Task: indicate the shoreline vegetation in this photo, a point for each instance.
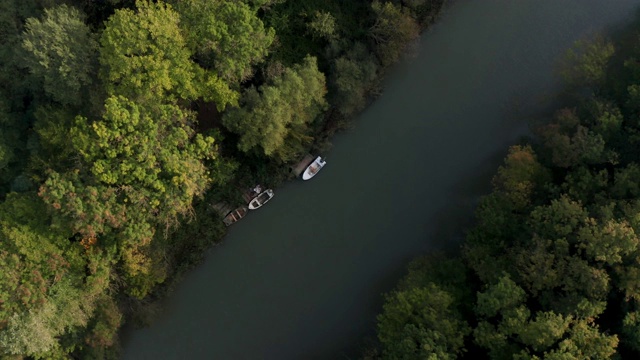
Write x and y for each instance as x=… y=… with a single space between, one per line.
x=551 y=267
x=123 y=120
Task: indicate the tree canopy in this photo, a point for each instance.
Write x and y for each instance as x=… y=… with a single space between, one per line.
x=144 y=56
x=226 y=36
x=125 y=124
x=553 y=255
x=279 y=113
x=60 y=51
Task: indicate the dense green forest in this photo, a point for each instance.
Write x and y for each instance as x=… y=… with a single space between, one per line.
x=122 y=121
x=551 y=268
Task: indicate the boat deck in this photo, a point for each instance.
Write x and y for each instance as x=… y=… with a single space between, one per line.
x=249 y=194
x=222 y=208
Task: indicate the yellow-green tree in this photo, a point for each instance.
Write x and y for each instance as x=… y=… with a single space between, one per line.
x=393 y=29
x=274 y=119
x=144 y=56
x=225 y=36
x=61 y=52
x=141 y=169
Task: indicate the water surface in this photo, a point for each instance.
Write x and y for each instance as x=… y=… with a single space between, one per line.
x=302 y=277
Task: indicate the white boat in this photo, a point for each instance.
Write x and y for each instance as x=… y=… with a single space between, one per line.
x=313 y=168
x=261 y=199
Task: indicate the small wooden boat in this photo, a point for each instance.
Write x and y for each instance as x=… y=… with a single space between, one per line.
x=313 y=168
x=261 y=199
x=235 y=215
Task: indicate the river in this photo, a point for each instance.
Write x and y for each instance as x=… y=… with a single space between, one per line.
x=302 y=277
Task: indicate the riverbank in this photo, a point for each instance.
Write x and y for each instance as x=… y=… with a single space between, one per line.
x=319 y=290
x=548 y=267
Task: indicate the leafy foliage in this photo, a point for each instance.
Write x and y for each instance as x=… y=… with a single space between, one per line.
x=145 y=56
x=436 y=332
x=586 y=63
x=275 y=117
x=392 y=31
x=61 y=52
x=226 y=36
x=355 y=75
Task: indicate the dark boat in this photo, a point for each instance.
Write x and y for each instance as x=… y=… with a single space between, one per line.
x=235 y=215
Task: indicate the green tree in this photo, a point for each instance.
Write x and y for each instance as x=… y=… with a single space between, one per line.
x=497 y=227
x=61 y=51
x=541 y=264
x=560 y=219
x=631 y=330
x=544 y=331
x=47 y=287
x=425 y=11
x=585 y=184
x=505 y=294
x=322 y=26
x=585 y=341
x=9 y=143
x=392 y=31
x=31 y=254
x=226 y=36
x=145 y=57
x=572 y=143
x=353 y=77
x=103 y=328
x=151 y=159
x=141 y=169
x=609 y=243
x=519 y=176
x=586 y=63
x=607 y=119
x=264 y=4
x=421 y=323
x=501 y=304
x=275 y=118
x=53 y=150
x=628 y=281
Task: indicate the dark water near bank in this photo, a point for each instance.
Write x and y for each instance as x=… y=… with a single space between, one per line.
x=301 y=278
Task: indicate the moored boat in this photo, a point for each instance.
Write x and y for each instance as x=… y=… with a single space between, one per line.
x=235 y=215
x=261 y=199
x=313 y=168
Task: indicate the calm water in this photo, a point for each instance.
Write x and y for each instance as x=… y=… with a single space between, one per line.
x=301 y=278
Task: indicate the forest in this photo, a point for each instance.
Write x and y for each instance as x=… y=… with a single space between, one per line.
x=551 y=267
x=121 y=121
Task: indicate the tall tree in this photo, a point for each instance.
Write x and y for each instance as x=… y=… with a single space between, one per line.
x=275 y=117
x=519 y=177
x=61 y=52
x=151 y=157
x=48 y=285
x=392 y=31
x=421 y=323
x=141 y=169
x=354 y=75
x=144 y=56
x=586 y=63
x=226 y=36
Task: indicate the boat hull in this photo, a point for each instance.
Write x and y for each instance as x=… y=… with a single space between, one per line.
x=235 y=215
x=313 y=168
x=261 y=199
